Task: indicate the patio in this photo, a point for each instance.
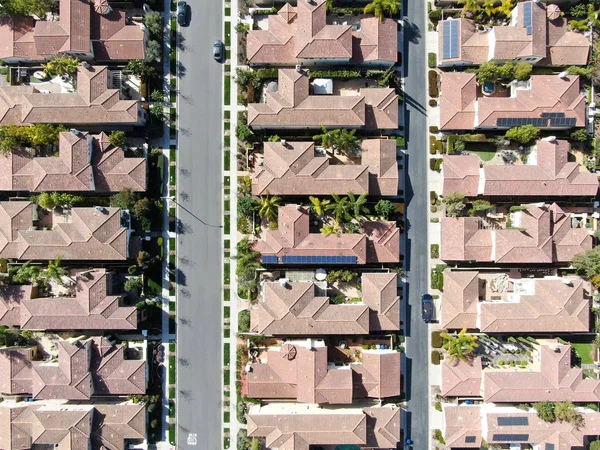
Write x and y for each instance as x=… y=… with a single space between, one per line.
x=507 y=353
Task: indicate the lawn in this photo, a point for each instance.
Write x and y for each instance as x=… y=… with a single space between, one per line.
x=227 y=33
x=226 y=270
x=227 y=295
x=585 y=352
x=227 y=312
x=226 y=159
x=484 y=156
x=172 y=369
x=226 y=353
x=227 y=90
x=227 y=224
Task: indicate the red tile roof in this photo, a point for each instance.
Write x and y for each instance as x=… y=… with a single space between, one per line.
x=462 y=378
x=378 y=242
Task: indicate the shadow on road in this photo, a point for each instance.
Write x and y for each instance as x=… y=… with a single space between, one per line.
x=181 y=70
x=412 y=33
x=416 y=105
x=406 y=371
x=407 y=311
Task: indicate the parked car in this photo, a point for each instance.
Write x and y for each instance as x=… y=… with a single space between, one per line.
x=218 y=50
x=182 y=13
x=427 y=311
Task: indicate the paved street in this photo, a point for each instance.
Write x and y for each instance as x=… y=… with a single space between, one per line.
x=199 y=378
x=416 y=251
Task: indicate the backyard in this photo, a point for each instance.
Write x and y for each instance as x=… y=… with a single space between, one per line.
x=584 y=351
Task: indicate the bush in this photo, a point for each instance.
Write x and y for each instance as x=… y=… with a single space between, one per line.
x=436 y=164
x=432 y=60
x=433 y=129
x=432 y=140
x=435 y=15
x=580 y=135
x=154 y=22
x=436 y=339
x=523 y=71
x=545 y=411
x=523 y=134
x=154 y=51
x=433 y=197
x=434 y=252
x=337 y=299
x=434 y=90
x=437 y=435
x=243 y=133
x=436 y=357
x=134 y=285
x=117 y=138
x=438 y=406
x=337 y=74
x=432 y=102
x=384 y=209
x=244 y=321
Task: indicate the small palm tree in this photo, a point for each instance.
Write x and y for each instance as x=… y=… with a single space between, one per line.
x=459 y=345
x=326 y=138
x=506 y=7
x=383 y=8
x=25 y=274
x=329 y=229
x=471 y=6
x=489 y=7
x=348 y=143
x=341 y=209
x=61 y=65
x=268 y=207
x=54 y=271
x=357 y=205
x=320 y=206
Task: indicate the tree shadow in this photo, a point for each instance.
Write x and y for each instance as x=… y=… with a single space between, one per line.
x=412 y=33
x=181 y=70
x=181 y=43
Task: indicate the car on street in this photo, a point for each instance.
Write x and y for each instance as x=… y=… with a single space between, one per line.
x=427 y=308
x=218 y=50
x=182 y=13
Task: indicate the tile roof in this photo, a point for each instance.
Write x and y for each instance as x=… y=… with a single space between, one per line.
x=92 y=103
x=299 y=370
x=542 y=305
x=292 y=106
x=70 y=427
x=551 y=175
x=296 y=169
x=80 y=29
x=85 y=163
x=300 y=33
x=378 y=242
x=460 y=423
x=462 y=107
x=85 y=368
x=462 y=378
x=81 y=234
x=549 y=40
x=292 y=429
x=548 y=237
x=296 y=309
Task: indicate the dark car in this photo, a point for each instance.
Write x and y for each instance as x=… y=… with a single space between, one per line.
x=182 y=13
x=427 y=308
x=218 y=50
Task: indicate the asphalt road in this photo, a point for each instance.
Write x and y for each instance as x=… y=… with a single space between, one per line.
x=416 y=251
x=199 y=379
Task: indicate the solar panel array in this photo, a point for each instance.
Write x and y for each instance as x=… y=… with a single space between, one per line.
x=519 y=121
x=527 y=18
x=553 y=115
x=450 y=31
x=549 y=446
x=269 y=259
x=470 y=439
x=510 y=437
x=513 y=421
x=319 y=260
x=563 y=122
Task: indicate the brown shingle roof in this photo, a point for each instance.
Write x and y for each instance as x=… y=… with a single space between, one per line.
x=92 y=103
x=85 y=234
x=547 y=237
x=295 y=169
x=292 y=106
x=379 y=242
x=463 y=108
x=462 y=378
x=300 y=33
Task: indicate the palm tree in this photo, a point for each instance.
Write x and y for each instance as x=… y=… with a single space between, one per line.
x=341 y=209
x=347 y=142
x=61 y=65
x=506 y=7
x=326 y=138
x=357 y=205
x=329 y=229
x=54 y=271
x=268 y=207
x=25 y=273
x=382 y=8
x=320 y=206
x=471 y=6
x=459 y=345
x=489 y=7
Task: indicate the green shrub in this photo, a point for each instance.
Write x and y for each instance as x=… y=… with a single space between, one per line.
x=432 y=141
x=433 y=129
x=440 y=281
x=337 y=74
x=436 y=357
x=433 y=84
x=432 y=102
x=437 y=435
x=244 y=321
x=436 y=339
x=434 y=252
x=432 y=60
x=438 y=406
x=433 y=197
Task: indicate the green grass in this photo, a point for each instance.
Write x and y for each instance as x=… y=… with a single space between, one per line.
x=226 y=159
x=172 y=244
x=227 y=114
x=226 y=394
x=227 y=312
x=172 y=347
x=585 y=352
x=172 y=429
x=227 y=295
x=226 y=416
x=226 y=204
x=172 y=175
x=227 y=141
x=227 y=126
x=172 y=365
x=227 y=243
x=227 y=224
x=226 y=276
x=171 y=392
x=172 y=306
x=227 y=12
x=226 y=353
x=227 y=89
x=484 y=156
x=227 y=31
x=227 y=69
x=226 y=377
x=172 y=410
x=172 y=155
x=227 y=333
x=228 y=54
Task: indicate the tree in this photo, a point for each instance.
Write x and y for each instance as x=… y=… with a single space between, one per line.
x=134 y=285
x=244 y=321
x=545 y=411
x=157 y=96
x=506 y=71
x=459 y=345
x=489 y=7
x=588 y=263
x=61 y=65
x=523 y=71
x=328 y=229
x=40 y=134
x=455 y=203
x=142 y=209
x=341 y=140
x=488 y=72
x=155 y=24
x=140 y=68
x=125 y=199
x=523 y=134
x=595 y=445
x=506 y=7
x=52 y=200
x=25 y=273
x=25 y=8
x=273 y=138
x=246 y=206
x=566 y=412
x=579 y=11
x=246 y=78
x=268 y=207
x=243 y=133
x=326 y=138
x=384 y=209
x=469 y=6
x=143 y=259
x=357 y=205
x=479 y=206
x=157 y=110
x=117 y=138
x=580 y=135
x=320 y=207
x=383 y=8
x=247 y=264
x=55 y=271
x=341 y=209
x=154 y=51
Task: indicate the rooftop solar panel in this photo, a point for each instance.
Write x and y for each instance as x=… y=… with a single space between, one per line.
x=500 y=437
x=470 y=439
x=549 y=446
x=450 y=39
x=527 y=17
x=446 y=39
x=513 y=421
x=552 y=115
x=269 y=259
x=454 y=39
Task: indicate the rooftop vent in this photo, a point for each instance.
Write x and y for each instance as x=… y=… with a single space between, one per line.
x=76 y=132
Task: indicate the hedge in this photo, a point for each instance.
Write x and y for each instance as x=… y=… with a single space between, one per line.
x=432 y=140
x=436 y=339
x=433 y=129
x=436 y=357
x=432 y=60
x=266 y=74
x=436 y=164
x=434 y=252
x=432 y=102
x=433 y=197
x=338 y=74
x=433 y=84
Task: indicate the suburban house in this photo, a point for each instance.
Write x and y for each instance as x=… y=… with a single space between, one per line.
x=467 y=426
x=288 y=426
x=299 y=168
x=92 y=305
x=293 y=106
x=534 y=235
x=300 y=371
x=93 y=103
x=493 y=302
x=550 y=377
x=85 y=163
x=544 y=101
x=90 y=31
x=112 y=426
x=28 y=232
x=550 y=175
x=294 y=243
x=537 y=34
x=83 y=369
x=303 y=308
x=300 y=35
